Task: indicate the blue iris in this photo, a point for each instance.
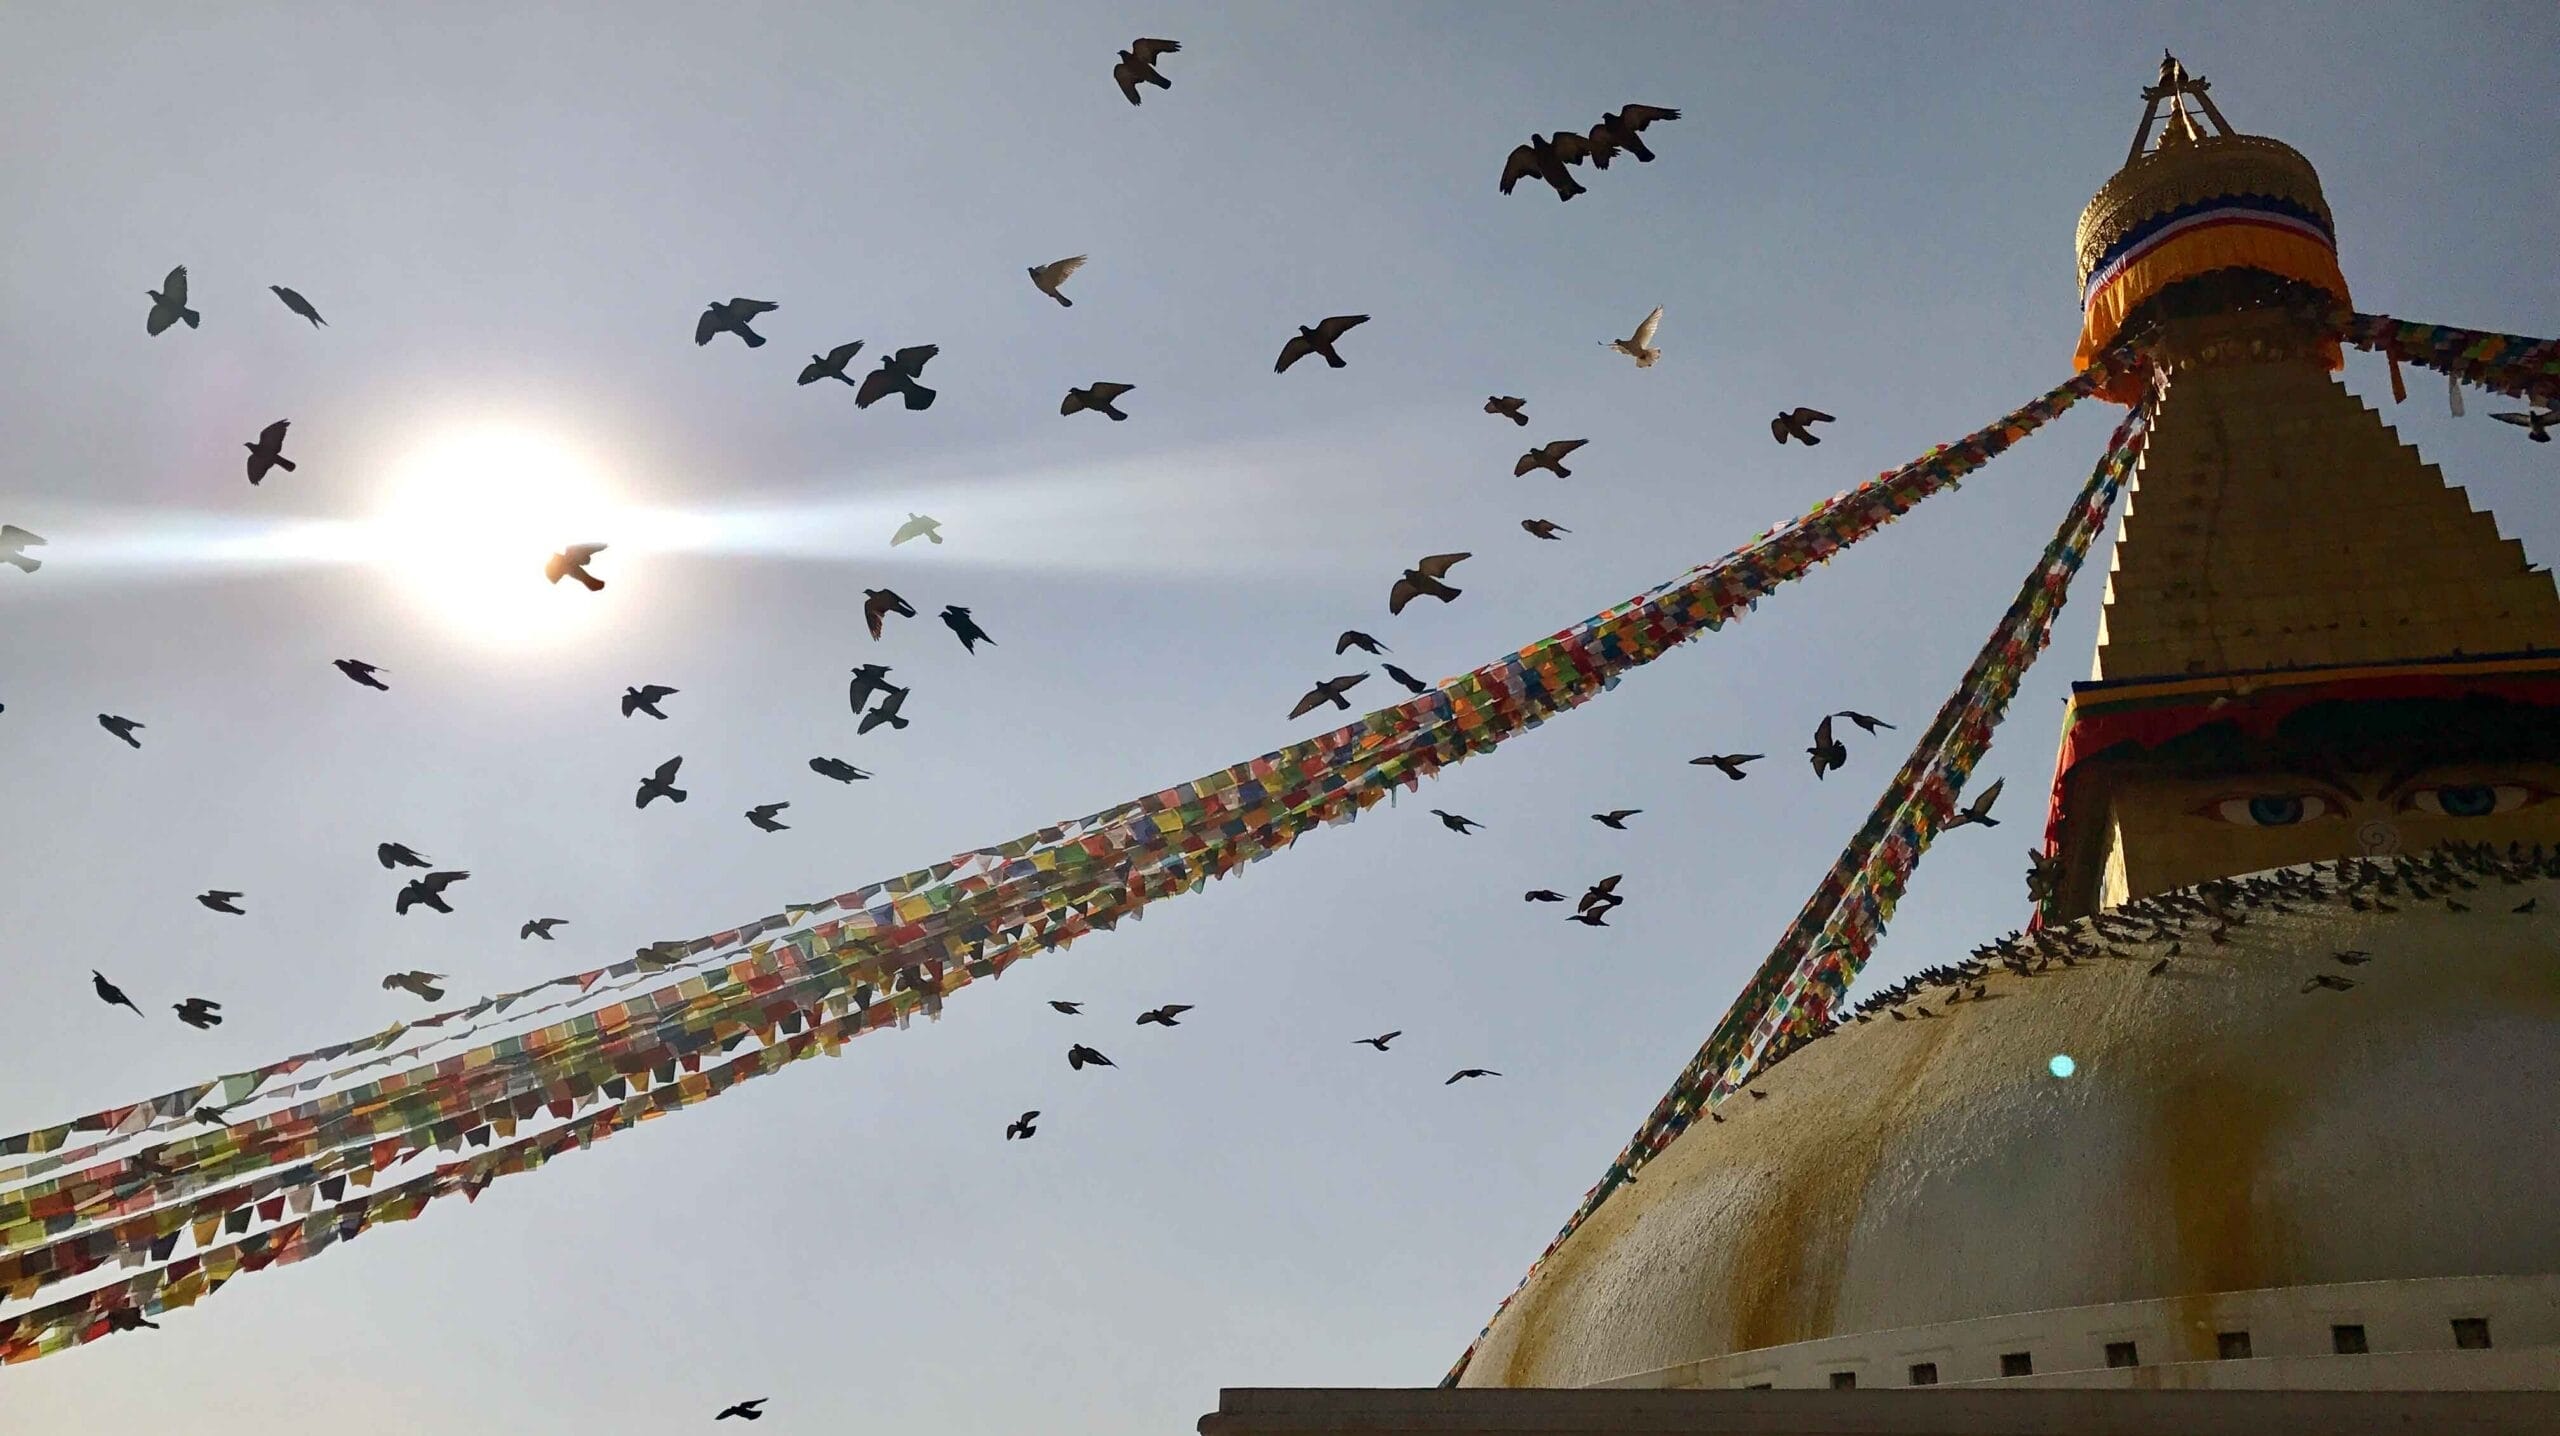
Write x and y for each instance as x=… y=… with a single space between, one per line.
x=2278 y=812
x=2467 y=800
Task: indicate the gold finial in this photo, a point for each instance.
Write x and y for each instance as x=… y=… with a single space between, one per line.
x=2177 y=87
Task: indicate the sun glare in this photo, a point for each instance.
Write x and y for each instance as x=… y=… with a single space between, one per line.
x=469 y=518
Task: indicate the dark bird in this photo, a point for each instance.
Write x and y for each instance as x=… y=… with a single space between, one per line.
x=1318 y=340
x=1423 y=580
x=1353 y=638
x=128 y=1318
x=572 y=562
x=1098 y=398
x=2525 y=908
x=2352 y=957
x=1620 y=131
x=2331 y=981
x=1797 y=424
x=109 y=992
x=767 y=815
x=2536 y=423
x=879 y=603
x=1545 y=157
x=169 y=303
x=1603 y=893
x=1165 y=1016
x=869 y=681
x=199 y=1013
x=1080 y=1057
x=1544 y=528
x=428 y=890
x=886 y=713
x=830 y=365
x=123 y=728
x=922 y=526
x=1138 y=66
x=362 y=672
x=1862 y=720
x=645 y=699
x=836 y=768
x=395 y=855
x=1456 y=822
x=1591 y=917
x=746 y=1409
x=14 y=543
x=211 y=1115
x=222 y=901
x=1615 y=818
x=1979 y=810
x=1513 y=409
x=1047 y=277
x=1827 y=752
x=1021 y=1126
x=732 y=318
x=1464 y=1073
x=1549 y=457
x=540 y=927
x=898 y=374
x=1729 y=764
x=1381 y=1040
x=423 y=984
x=1542 y=895
x=1639 y=345
x=661 y=784
x=1069 y=1008
x=1328 y=691
x=268 y=452
x=1411 y=683
x=957 y=619
x=298 y=305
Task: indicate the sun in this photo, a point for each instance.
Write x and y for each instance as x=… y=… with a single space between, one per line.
x=468 y=519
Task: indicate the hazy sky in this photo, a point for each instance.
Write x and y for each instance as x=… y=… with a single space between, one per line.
x=511 y=221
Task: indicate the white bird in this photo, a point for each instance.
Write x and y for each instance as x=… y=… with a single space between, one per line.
x=1639 y=345
x=1047 y=277
x=917 y=526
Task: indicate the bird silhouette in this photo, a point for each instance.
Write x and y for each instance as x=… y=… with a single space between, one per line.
x=1047 y=277
x=1549 y=457
x=1545 y=529
x=1620 y=129
x=2329 y=980
x=267 y=453
x=1513 y=409
x=1979 y=810
x=211 y=1115
x=427 y=891
x=1591 y=917
x=399 y=855
x=1099 y=398
x=1639 y=345
x=830 y=365
x=1069 y=1008
x=222 y=901
x=1456 y=823
x=1079 y=1057
x=1138 y=66
x=1353 y=638
x=423 y=984
x=1380 y=1041
x=539 y=927
x=123 y=728
x=869 y=681
x=1615 y=818
x=2527 y=907
x=879 y=603
x=1797 y=424
x=361 y=672
x=1827 y=752
x=2536 y=423
x=1021 y=1126
x=572 y=562
x=1546 y=157
x=898 y=374
x=1330 y=690
x=957 y=619
x=126 y=1318
x=1423 y=581
x=109 y=992
x=661 y=784
x=836 y=768
x=748 y=1410
x=732 y=318
x=1411 y=683
x=1168 y=1015
x=1602 y=894
x=1863 y=721
x=298 y=305
x=887 y=713
x=1466 y=1072
x=765 y=815
x=1318 y=340
x=1729 y=764
x=14 y=543
x=645 y=699
x=1542 y=895
x=200 y=1013
x=2352 y=957
x=917 y=526
x=169 y=303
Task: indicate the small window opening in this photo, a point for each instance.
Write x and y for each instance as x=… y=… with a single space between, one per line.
x=1761 y=1386
x=2471 y=1333
x=1924 y=1373
x=2231 y=1345
x=2347 y=1340
x=2017 y=1363
x=1844 y=1380
x=2122 y=1353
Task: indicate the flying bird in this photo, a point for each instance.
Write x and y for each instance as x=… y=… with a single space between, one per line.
x=1380 y=1041
x=1549 y=457
x=886 y=713
x=539 y=927
x=1615 y=818
x=1165 y=1016
x=869 y=682
x=879 y=603
x=361 y=672
x=1098 y=398
x=1979 y=810
x=1423 y=580
x=1138 y=67
x=1513 y=409
x=2536 y=423
x=1545 y=529
x=123 y=728
x=836 y=768
x=1639 y=345
x=1602 y=894
x=268 y=452
x=917 y=526
x=572 y=562
x=1353 y=638
x=1330 y=690
x=1797 y=424
x=14 y=543
x=957 y=619
x=1047 y=277
x=661 y=784
x=1069 y=1008
x=1591 y=917
x=2331 y=981
x=211 y=1115
x=1862 y=720
x=1021 y=1126
x=1827 y=752
x=222 y=901
x=1080 y=1057
x=298 y=305
x=645 y=699
x=746 y=1409
x=732 y=318
x=1456 y=822
x=1411 y=683
x=1319 y=341
x=767 y=816
x=898 y=374
x=428 y=890
x=109 y=992
x=1465 y=1072
x=169 y=303
x=1545 y=157
x=1619 y=131
x=421 y=983
x=830 y=365
x=200 y=1013
x=1729 y=764
x=399 y=855
x=1542 y=895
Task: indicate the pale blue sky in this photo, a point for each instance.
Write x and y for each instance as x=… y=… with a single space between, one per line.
x=512 y=220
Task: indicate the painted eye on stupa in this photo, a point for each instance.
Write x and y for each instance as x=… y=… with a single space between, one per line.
x=2269 y=810
x=2471 y=800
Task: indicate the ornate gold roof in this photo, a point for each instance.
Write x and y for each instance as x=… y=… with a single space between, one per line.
x=2185 y=170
